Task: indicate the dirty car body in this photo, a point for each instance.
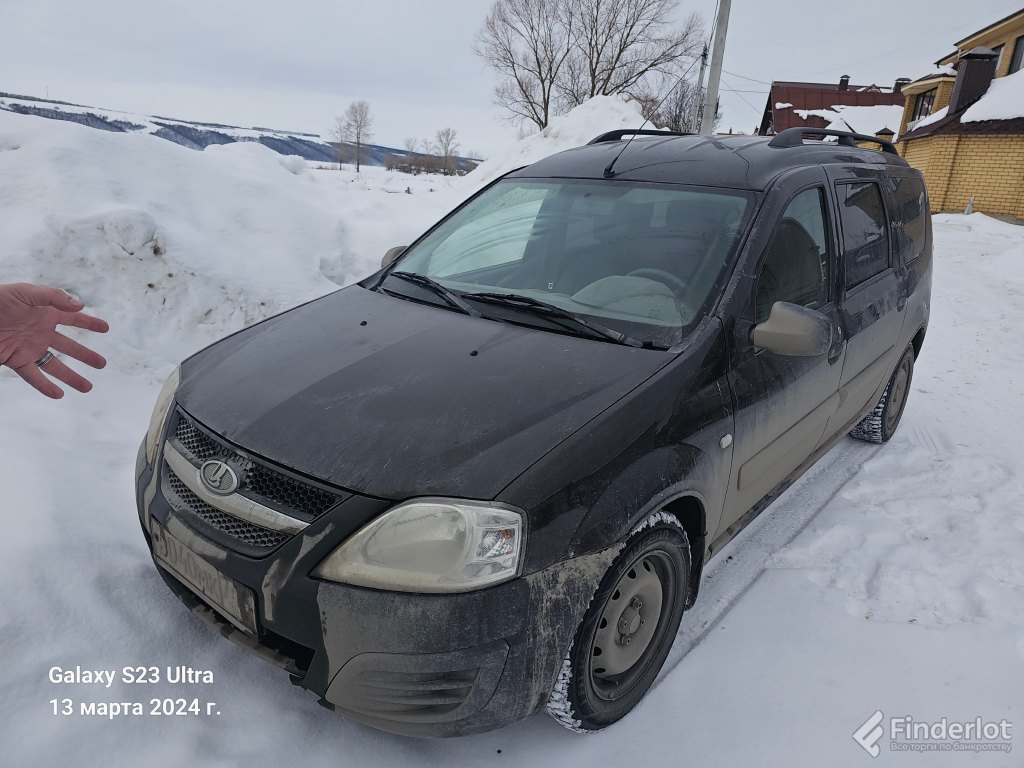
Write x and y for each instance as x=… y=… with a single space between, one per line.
x=562 y=357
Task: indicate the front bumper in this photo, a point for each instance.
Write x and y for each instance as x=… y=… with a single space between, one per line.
x=414 y=664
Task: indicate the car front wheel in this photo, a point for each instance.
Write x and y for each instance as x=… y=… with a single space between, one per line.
x=628 y=629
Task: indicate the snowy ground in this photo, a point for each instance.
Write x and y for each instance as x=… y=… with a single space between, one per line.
x=888 y=579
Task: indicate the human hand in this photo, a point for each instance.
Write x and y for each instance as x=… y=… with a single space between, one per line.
x=29 y=316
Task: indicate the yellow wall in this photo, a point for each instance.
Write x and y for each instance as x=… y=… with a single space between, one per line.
x=955 y=167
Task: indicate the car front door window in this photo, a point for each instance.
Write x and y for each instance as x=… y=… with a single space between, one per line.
x=796 y=265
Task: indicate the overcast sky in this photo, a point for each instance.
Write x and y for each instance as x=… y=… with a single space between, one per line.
x=295 y=65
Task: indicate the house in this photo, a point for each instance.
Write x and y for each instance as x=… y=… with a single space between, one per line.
x=864 y=109
x=963 y=125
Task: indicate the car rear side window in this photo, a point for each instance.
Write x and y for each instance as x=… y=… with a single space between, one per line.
x=796 y=264
x=865 y=236
x=909 y=212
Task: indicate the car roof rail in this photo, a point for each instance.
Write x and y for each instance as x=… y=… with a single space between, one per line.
x=621 y=132
x=794 y=137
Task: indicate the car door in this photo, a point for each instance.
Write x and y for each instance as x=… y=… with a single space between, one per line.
x=784 y=402
x=872 y=298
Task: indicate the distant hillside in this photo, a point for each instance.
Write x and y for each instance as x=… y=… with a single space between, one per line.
x=197 y=135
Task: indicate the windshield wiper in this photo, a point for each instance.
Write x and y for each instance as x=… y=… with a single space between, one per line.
x=448 y=295
x=542 y=307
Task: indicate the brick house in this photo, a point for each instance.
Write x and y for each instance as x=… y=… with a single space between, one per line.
x=964 y=125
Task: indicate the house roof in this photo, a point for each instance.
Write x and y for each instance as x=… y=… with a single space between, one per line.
x=999 y=111
x=816 y=97
x=961 y=44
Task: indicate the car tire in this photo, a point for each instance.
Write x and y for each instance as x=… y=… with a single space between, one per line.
x=602 y=678
x=879 y=425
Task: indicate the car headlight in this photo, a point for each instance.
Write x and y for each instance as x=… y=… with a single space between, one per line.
x=159 y=417
x=431 y=545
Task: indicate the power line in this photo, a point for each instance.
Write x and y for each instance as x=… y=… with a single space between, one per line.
x=740 y=97
x=744 y=77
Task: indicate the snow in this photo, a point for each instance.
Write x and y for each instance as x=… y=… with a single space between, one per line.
x=152 y=123
x=782 y=105
x=593 y=117
x=1003 y=101
x=934 y=117
x=866 y=120
x=888 y=578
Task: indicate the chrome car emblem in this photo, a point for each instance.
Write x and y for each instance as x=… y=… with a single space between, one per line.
x=219 y=477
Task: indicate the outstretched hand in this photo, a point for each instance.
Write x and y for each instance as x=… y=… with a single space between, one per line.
x=29 y=316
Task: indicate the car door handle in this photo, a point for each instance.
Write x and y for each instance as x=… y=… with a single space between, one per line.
x=901 y=302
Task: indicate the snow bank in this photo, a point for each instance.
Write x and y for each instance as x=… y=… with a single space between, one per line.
x=589 y=119
x=174 y=247
x=1004 y=100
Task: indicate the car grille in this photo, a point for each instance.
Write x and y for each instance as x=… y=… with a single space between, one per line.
x=265 y=484
x=301 y=500
x=242 y=530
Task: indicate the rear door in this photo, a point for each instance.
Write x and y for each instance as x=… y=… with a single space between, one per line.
x=783 y=403
x=872 y=296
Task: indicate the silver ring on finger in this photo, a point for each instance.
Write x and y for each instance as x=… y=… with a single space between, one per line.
x=44 y=359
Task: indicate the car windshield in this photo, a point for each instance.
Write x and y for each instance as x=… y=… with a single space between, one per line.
x=645 y=260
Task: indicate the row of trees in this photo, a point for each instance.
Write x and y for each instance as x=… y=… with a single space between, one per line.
x=552 y=55
x=355 y=127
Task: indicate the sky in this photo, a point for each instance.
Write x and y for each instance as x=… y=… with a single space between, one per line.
x=296 y=65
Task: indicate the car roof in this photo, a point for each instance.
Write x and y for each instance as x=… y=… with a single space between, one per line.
x=739 y=162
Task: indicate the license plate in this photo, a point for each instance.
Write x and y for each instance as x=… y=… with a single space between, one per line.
x=229 y=598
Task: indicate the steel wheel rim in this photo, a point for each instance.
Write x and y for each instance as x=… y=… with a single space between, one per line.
x=631 y=624
x=898 y=395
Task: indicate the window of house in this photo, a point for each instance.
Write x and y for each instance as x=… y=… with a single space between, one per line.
x=865 y=235
x=796 y=265
x=923 y=104
x=1018 y=55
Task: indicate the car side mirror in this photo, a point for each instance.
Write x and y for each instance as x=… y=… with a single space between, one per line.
x=793 y=330
x=392 y=254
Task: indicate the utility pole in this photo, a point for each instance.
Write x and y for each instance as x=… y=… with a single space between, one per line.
x=717 y=54
x=694 y=126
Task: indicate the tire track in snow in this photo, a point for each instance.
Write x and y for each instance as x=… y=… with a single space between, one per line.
x=737 y=567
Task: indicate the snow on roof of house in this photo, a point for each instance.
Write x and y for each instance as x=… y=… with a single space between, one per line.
x=782 y=105
x=934 y=117
x=867 y=120
x=1003 y=101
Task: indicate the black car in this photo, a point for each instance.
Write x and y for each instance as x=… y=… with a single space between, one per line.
x=485 y=480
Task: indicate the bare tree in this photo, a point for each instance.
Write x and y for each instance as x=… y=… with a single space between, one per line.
x=354 y=126
x=527 y=42
x=446 y=146
x=556 y=54
x=412 y=144
x=624 y=46
x=681 y=107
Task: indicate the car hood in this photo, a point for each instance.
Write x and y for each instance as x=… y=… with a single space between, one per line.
x=395 y=399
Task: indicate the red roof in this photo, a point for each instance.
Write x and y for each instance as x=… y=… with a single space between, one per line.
x=817 y=96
